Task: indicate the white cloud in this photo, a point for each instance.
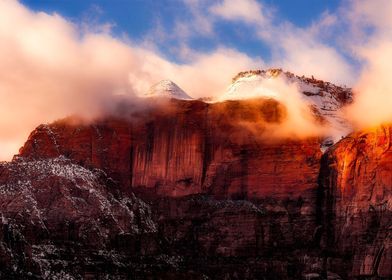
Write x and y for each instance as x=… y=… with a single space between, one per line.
x=249 y=11
x=304 y=53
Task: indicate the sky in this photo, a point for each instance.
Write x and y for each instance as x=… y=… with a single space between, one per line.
x=67 y=57
x=140 y=19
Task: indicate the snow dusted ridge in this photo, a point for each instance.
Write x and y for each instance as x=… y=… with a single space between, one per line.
x=168 y=89
x=325 y=99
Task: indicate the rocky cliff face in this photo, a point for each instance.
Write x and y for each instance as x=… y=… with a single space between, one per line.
x=190 y=148
x=357 y=185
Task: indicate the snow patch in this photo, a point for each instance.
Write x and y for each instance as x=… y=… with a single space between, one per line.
x=167 y=89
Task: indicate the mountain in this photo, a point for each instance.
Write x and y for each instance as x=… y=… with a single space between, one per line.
x=196 y=190
x=324 y=98
x=167 y=89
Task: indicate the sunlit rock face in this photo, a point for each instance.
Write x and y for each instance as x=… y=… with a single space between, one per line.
x=356 y=180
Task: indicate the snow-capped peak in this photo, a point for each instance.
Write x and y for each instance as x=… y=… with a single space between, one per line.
x=323 y=97
x=310 y=87
x=168 y=89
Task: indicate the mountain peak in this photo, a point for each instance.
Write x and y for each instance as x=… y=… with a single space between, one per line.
x=323 y=97
x=168 y=89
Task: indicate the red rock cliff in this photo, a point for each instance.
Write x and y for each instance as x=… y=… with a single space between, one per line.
x=190 y=147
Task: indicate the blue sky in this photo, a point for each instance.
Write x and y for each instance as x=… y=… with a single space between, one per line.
x=139 y=19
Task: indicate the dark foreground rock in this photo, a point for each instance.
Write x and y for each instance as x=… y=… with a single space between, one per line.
x=60 y=220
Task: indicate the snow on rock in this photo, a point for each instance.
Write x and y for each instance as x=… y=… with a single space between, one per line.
x=167 y=89
x=55 y=200
x=325 y=99
x=33 y=184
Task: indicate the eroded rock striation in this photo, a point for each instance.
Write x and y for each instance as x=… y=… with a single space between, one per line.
x=190 y=148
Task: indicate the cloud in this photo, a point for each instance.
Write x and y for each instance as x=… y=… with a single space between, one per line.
x=298 y=121
x=370 y=25
x=300 y=50
x=249 y=11
x=201 y=22
x=192 y=22
x=365 y=16
x=207 y=74
x=310 y=50
x=50 y=69
x=373 y=100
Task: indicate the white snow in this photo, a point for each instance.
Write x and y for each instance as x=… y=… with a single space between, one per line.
x=167 y=89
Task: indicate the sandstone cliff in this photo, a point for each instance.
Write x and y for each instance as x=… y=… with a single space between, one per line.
x=356 y=181
x=189 y=148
